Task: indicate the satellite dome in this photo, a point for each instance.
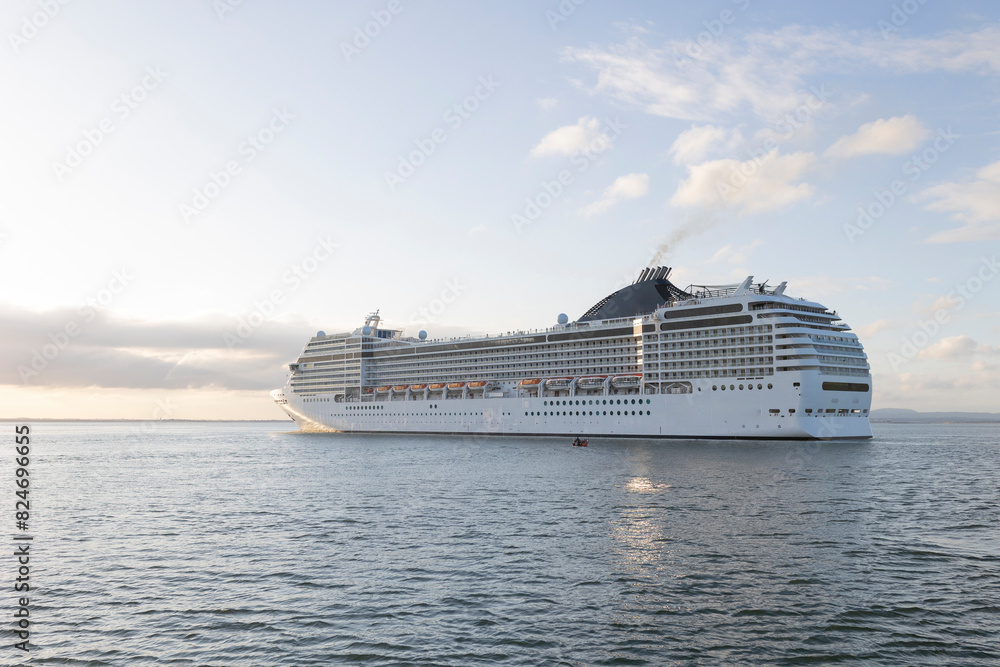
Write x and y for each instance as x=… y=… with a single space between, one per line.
x=366 y=330
x=562 y=319
x=320 y=334
x=422 y=335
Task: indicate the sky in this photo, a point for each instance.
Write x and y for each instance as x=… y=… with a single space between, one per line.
x=190 y=190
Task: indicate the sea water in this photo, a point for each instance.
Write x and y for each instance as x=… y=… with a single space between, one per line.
x=186 y=543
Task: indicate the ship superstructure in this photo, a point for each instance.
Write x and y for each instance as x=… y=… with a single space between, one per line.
x=649 y=360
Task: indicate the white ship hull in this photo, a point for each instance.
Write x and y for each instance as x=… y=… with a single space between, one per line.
x=701 y=414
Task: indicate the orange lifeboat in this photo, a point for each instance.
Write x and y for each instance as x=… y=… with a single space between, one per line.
x=383 y=389
x=530 y=384
x=417 y=387
x=438 y=386
x=454 y=386
x=478 y=384
x=400 y=387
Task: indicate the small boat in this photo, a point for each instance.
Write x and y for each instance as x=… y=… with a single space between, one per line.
x=455 y=386
x=383 y=389
x=625 y=381
x=438 y=386
x=558 y=383
x=530 y=384
x=580 y=442
x=417 y=387
x=400 y=387
x=594 y=382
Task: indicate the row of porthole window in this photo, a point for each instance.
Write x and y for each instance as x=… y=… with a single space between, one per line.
x=592 y=402
x=375 y=407
x=585 y=413
x=733 y=387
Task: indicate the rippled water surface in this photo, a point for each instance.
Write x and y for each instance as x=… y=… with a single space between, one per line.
x=249 y=544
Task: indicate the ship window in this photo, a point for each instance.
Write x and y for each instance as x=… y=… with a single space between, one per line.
x=648 y=412
x=760 y=386
x=809 y=411
x=633 y=413
x=647 y=401
x=732 y=387
x=770 y=386
x=741 y=387
x=619 y=413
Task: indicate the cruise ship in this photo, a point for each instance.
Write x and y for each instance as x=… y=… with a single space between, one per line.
x=651 y=360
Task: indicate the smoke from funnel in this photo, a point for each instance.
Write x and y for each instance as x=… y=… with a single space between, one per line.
x=691 y=226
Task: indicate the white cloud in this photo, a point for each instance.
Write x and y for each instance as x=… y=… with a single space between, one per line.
x=547 y=102
x=868 y=330
x=629 y=186
x=754 y=186
x=728 y=254
x=478 y=229
x=765 y=72
x=955 y=347
x=569 y=139
x=697 y=143
x=888 y=136
x=976 y=203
